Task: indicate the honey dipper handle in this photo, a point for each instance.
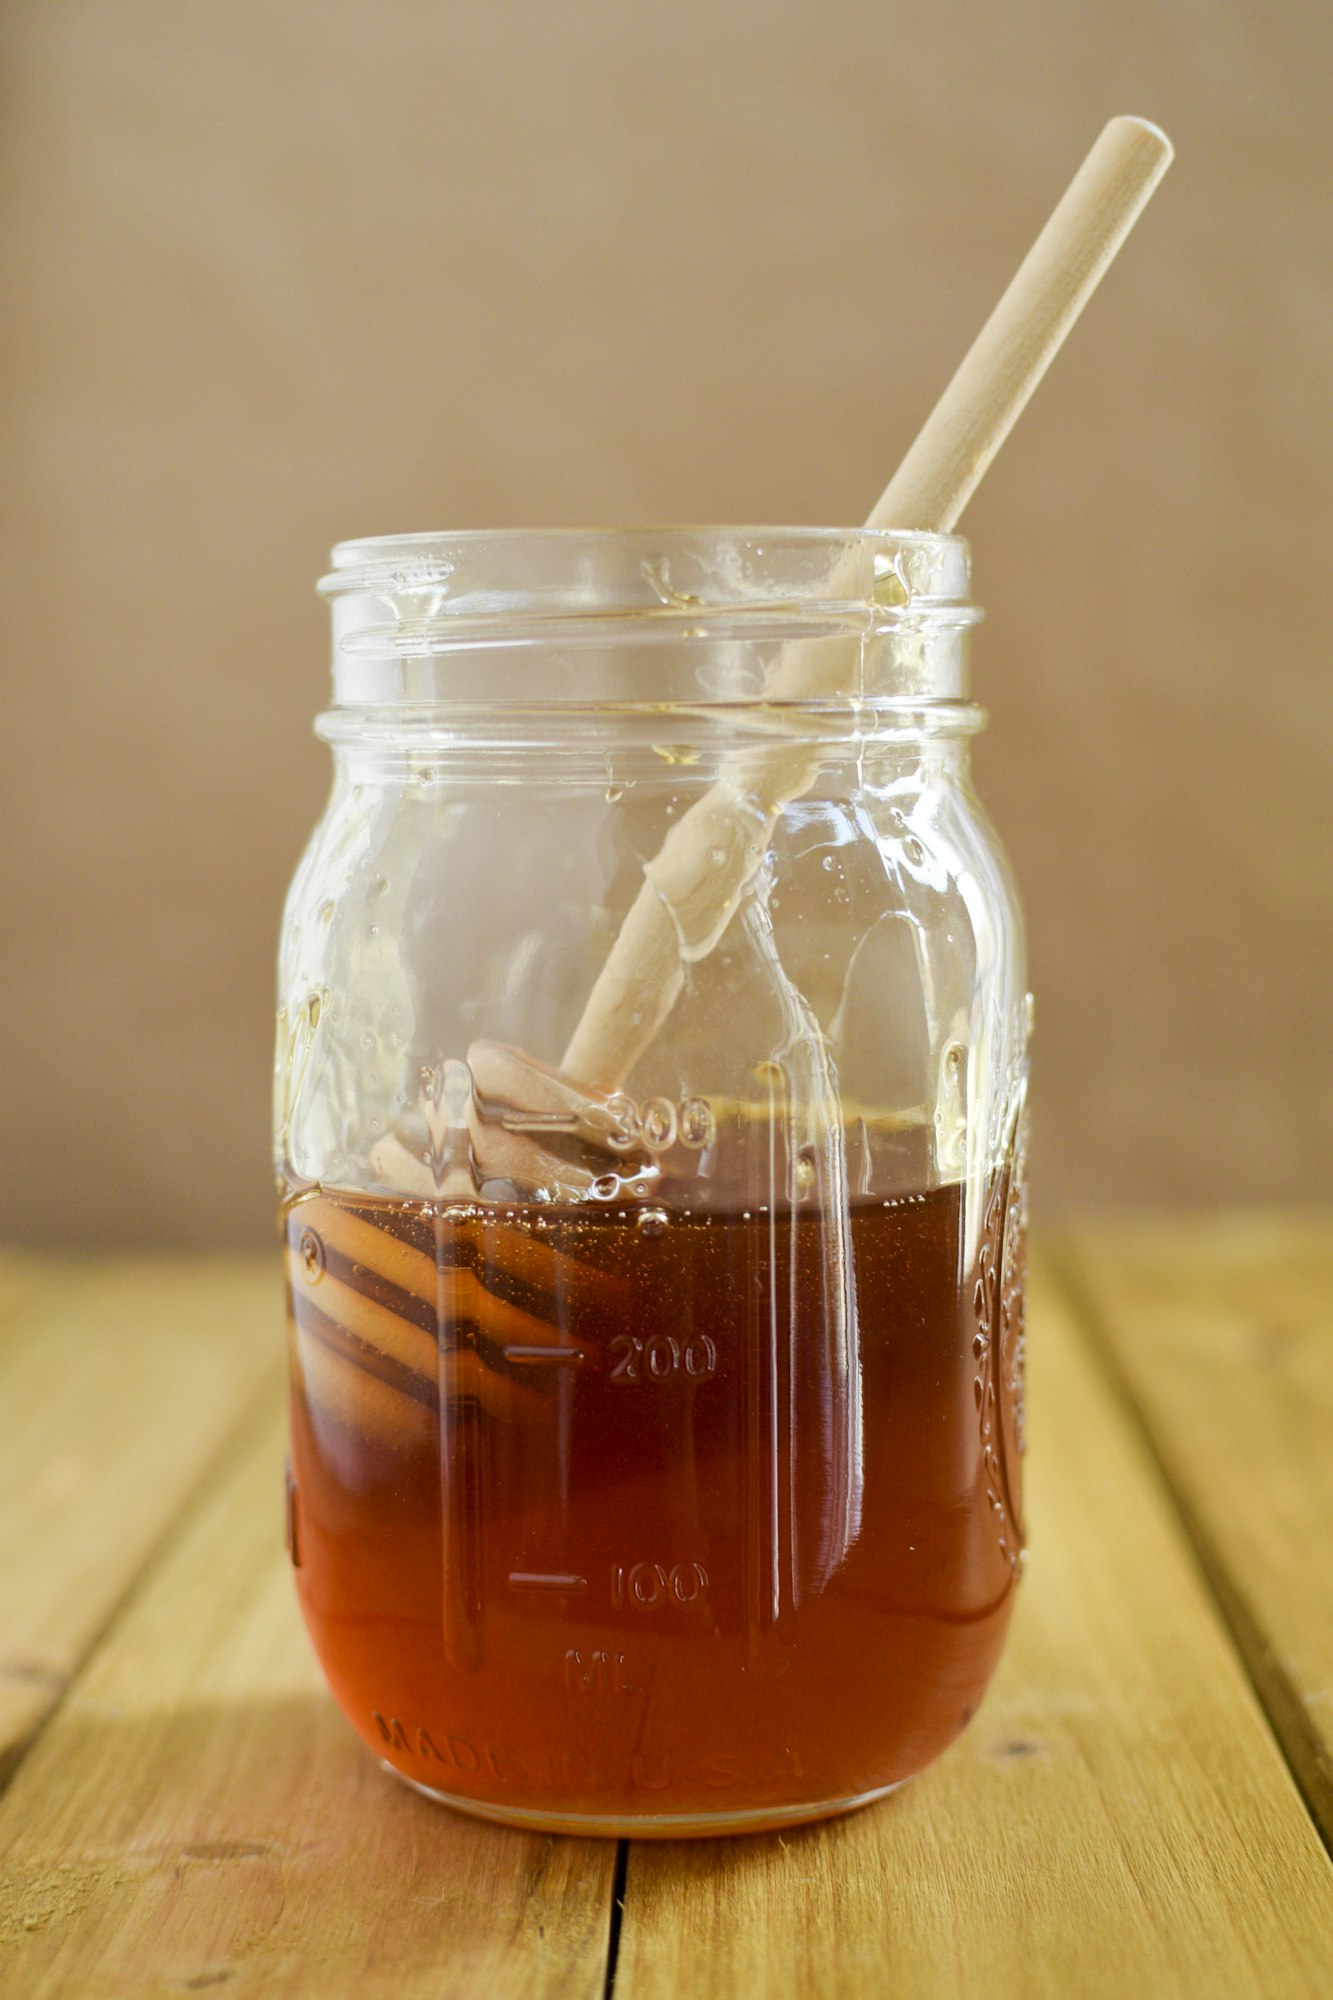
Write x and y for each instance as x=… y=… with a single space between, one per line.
x=692 y=888
x=1016 y=346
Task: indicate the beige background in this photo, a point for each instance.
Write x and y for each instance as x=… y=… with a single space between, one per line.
x=282 y=271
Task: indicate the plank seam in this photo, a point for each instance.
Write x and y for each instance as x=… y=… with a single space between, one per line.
x=258 y=1411
x=619 y=1884
x=1282 y=1708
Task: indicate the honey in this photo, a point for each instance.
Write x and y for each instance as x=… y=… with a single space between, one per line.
x=648 y=1518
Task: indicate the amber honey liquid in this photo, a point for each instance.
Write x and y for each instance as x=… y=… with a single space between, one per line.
x=613 y=1516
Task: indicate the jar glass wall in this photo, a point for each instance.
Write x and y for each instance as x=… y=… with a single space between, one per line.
x=649 y=1128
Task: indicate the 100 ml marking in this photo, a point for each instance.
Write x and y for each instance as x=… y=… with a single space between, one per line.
x=646 y=1586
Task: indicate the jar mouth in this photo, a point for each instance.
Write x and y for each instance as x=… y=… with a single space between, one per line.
x=652 y=569
x=412 y=613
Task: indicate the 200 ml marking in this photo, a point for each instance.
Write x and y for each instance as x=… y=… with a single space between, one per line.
x=663 y=1358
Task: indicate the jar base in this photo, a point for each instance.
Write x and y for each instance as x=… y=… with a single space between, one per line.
x=649 y=1826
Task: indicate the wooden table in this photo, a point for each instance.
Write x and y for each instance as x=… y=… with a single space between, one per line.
x=1143 y=1806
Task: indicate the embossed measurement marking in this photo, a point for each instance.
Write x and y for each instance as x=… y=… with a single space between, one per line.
x=662 y=1357
x=598 y=1673
x=645 y=1585
x=568 y=1354
x=531 y=1579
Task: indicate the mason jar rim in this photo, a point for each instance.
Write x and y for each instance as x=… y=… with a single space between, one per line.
x=932 y=570
x=669 y=617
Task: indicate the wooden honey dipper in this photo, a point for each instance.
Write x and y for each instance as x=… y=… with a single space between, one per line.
x=705 y=865
x=694 y=884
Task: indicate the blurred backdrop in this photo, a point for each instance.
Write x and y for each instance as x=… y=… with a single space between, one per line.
x=284 y=271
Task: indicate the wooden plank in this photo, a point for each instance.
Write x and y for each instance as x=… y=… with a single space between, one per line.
x=1222 y=1332
x=198 y=1814
x=22 y=1279
x=117 y=1385
x=1118 y=1820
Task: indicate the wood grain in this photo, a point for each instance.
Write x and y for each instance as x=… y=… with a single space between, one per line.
x=195 y=1814
x=118 y=1383
x=1117 y=1821
x=1222 y=1333
x=199 y=1815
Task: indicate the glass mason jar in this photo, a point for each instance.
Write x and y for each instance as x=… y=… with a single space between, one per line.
x=649 y=1130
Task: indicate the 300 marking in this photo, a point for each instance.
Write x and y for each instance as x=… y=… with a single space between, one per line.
x=657 y=1125
x=662 y=1357
x=646 y=1586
